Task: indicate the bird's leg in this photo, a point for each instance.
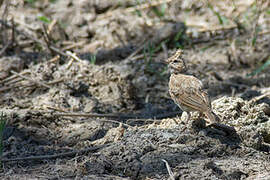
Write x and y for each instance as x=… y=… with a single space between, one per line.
x=200 y=114
x=188 y=116
x=205 y=118
x=212 y=117
x=185 y=116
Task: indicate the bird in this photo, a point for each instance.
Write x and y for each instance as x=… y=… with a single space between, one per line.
x=187 y=90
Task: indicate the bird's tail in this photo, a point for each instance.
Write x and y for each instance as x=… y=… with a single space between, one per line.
x=212 y=117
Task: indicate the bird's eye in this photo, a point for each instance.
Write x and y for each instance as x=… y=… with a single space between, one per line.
x=175 y=61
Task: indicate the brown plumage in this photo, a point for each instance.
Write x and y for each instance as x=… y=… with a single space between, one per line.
x=186 y=90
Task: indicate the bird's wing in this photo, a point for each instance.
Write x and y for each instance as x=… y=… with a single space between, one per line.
x=188 y=91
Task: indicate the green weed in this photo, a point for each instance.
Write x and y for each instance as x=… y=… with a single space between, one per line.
x=254 y=38
x=150 y=66
x=2 y=127
x=160 y=11
x=148 y=52
x=30 y=1
x=222 y=19
x=44 y=19
x=261 y=68
x=93 y=59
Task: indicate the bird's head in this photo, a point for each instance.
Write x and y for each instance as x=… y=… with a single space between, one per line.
x=177 y=63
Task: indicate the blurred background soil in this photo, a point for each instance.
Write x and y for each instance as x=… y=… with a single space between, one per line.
x=84 y=89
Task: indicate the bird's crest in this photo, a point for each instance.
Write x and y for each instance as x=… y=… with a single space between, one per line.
x=177 y=54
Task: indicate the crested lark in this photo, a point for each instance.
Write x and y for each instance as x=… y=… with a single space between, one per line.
x=186 y=90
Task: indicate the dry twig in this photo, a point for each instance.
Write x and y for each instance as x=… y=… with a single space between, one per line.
x=56 y=109
x=74 y=56
x=169 y=169
x=56 y=81
x=55 y=156
x=136 y=8
x=74 y=45
x=54 y=59
x=259 y=97
x=51 y=25
x=14 y=76
x=31 y=80
x=47 y=38
x=4 y=33
x=58 y=51
x=118 y=116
